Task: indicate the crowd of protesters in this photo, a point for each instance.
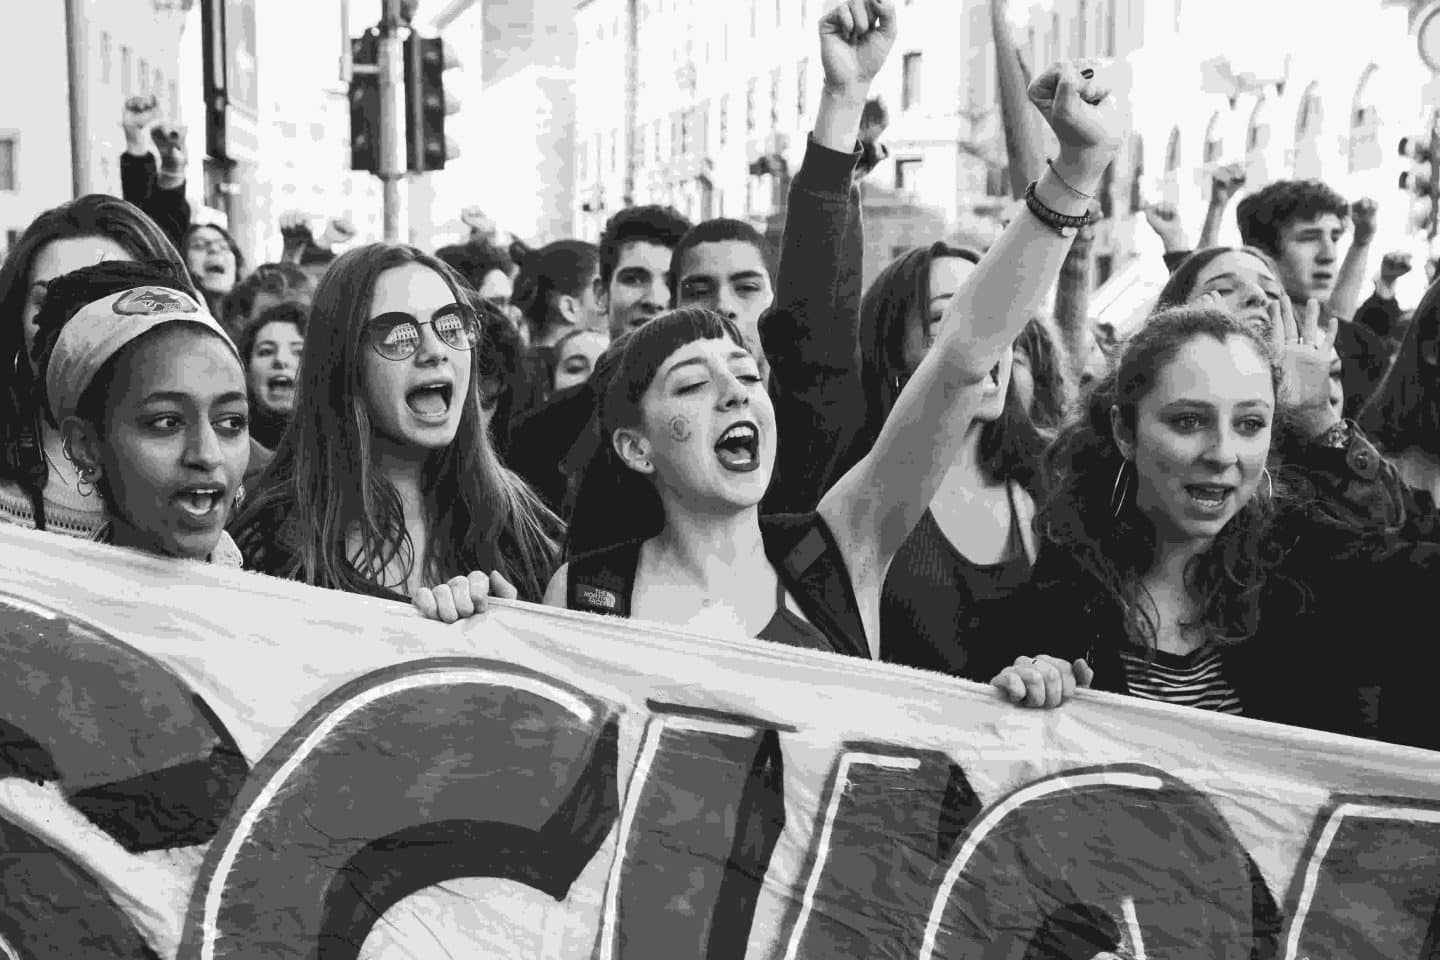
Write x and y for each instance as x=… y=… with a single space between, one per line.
x=1232 y=508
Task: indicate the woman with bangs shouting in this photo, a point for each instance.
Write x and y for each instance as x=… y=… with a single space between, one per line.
x=689 y=440
x=386 y=482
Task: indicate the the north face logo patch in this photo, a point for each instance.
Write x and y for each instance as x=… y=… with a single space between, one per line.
x=147 y=300
x=597 y=597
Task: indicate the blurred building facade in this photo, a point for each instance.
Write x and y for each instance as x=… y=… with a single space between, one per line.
x=120 y=48
x=706 y=106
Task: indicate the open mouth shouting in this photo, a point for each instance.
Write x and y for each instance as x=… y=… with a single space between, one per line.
x=430 y=402
x=1209 y=498
x=200 y=505
x=738 y=448
x=280 y=387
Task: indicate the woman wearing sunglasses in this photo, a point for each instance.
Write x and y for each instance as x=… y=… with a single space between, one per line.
x=386 y=482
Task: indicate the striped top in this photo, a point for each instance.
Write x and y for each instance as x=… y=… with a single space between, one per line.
x=1190 y=680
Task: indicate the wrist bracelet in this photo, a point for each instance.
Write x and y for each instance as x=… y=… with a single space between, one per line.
x=1061 y=223
x=1066 y=183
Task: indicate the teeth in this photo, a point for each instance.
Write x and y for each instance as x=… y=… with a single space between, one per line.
x=198 y=502
x=741 y=431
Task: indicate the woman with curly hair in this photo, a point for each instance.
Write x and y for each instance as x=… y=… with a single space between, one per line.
x=39 y=486
x=1180 y=561
x=386 y=482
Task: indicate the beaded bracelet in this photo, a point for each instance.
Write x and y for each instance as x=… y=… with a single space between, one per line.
x=1061 y=223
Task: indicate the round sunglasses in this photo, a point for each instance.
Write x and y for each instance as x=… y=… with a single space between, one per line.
x=396 y=336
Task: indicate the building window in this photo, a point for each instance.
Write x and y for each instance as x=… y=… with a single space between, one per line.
x=658 y=147
x=174 y=100
x=997 y=181
x=1112 y=37
x=9 y=147
x=907 y=173
x=724 y=119
x=614 y=151
x=157 y=84
x=982 y=65
x=106 y=56
x=124 y=71
x=910 y=81
x=1312 y=114
x=775 y=98
x=750 y=107
x=802 y=104
x=144 y=76
x=754 y=17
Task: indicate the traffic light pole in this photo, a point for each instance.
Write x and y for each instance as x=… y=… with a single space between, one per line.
x=392 y=115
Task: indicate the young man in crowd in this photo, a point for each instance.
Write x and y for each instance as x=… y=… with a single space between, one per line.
x=635 y=252
x=1301 y=223
x=724 y=265
x=633 y=286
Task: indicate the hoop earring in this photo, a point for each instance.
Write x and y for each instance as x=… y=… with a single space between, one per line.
x=19 y=351
x=239 y=497
x=1269 y=483
x=84 y=484
x=65 y=449
x=1121 y=490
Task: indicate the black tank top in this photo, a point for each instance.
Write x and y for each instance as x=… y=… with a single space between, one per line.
x=808 y=565
x=934 y=596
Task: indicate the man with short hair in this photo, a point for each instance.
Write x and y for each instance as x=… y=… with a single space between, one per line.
x=633 y=286
x=1301 y=223
x=635 y=251
x=723 y=265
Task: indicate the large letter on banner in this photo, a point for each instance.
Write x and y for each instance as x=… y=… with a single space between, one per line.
x=1369 y=888
x=1120 y=858
x=123 y=741
x=703 y=811
x=886 y=826
x=403 y=779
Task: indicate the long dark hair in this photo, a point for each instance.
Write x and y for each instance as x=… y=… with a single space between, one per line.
x=615 y=504
x=1117 y=549
x=1404 y=410
x=1010 y=445
x=321 y=483
x=22 y=457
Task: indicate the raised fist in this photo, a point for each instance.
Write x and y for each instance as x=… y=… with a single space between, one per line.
x=1363 y=214
x=1228 y=181
x=337 y=230
x=1075 y=101
x=855 y=40
x=137 y=116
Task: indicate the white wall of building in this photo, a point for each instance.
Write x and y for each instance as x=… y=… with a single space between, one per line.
x=35 y=121
x=600 y=124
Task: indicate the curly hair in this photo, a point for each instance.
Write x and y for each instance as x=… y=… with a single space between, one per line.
x=283 y=280
x=1264 y=214
x=1116 y=546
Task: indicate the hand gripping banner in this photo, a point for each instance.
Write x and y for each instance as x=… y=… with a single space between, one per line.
x=204 y=763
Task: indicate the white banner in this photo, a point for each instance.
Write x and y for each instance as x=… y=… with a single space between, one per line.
x=207 y=763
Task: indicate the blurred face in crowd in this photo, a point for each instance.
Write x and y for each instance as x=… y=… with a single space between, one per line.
x=274 y=363
x=1022 y=379
x=1202 y=435
x=640 y=287
x=576 y=358
x=729 y=277
x=1309 y=257
x=60 y=257
x=175 y=443
x=708 y=428
x=497 y=288
x=1244 y=282
x=416 y=400
x=946 y=276
x=211 y=261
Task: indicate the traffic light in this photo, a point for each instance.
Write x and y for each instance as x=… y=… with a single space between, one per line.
x=427 y=103
x=1423 y=178
x=365 y=101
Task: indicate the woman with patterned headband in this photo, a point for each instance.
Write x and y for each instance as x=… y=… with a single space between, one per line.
x=148 y=392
